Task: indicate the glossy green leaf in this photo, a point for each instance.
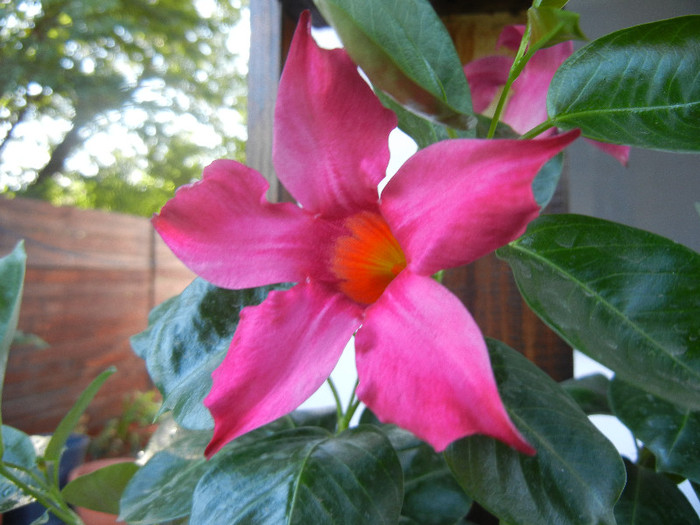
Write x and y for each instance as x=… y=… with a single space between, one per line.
x=627 y=298
x=405 y=50
x=100 y=490
x=590 y=392
x=304 y=475
x=651 y=498
x=19 y=451
x=72 y=418
x=551 y=25
x=162 y=489
x=576 y=475
x=672 y=433
x=637 y=86
x=12 y=268
x=432 y=495
x=186 y=339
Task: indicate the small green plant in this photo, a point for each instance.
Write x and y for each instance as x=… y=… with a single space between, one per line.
x=128 y=434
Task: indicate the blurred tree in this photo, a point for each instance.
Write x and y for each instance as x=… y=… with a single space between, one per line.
x=114 y=103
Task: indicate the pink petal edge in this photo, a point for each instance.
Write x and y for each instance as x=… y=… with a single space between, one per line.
x=331 y=132
x=423 y=365
x=458 y=200
x=619 y=152
x=224 y=230
x=282 y=352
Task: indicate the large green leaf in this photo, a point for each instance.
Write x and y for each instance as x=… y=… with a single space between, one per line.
x=576 y=475
x=19 y=451
x=162 y=489
x=625 y=297
x=186 y=339
x=304 y=475
x=12 y=268
x=590 y=392
x=101 y=490
x=432 y=495
x=672 y=433
x=651 y=498
x=637 y=86
x=405 y=50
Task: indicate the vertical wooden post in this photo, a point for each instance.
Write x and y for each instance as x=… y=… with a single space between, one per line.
x=264 y=69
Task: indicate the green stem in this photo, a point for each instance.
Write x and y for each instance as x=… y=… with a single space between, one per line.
x=521 y=58
x=344 y=416
x=540 y=128
x=336 y=397
x=45 y=496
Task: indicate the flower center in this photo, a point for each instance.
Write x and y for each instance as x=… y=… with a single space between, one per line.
x=368 y=259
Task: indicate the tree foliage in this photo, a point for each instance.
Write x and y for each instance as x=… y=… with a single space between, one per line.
x=161 y=75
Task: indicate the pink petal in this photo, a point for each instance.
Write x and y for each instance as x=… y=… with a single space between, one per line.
x=458 y=200
x=331 y=133
x=527 y=107
x=281 y=353
x=224 y=230
x=486 y=76
x=527 y=101
x=510 y=37
x=423 y=365
x=617 y=151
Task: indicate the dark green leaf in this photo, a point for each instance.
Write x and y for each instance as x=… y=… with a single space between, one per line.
x=323 y=418
x=651 y=498
x=637 y=86
x=162 y=489
x=304 y=475
x=405 y=50
x=672 y=433
x=625 y=297
x=100 y=490
x=71 y=419
x=576 y=475
x=432 y=496
x=186 y=339
x=12 y=268
x=19 y=451
x=590 y=392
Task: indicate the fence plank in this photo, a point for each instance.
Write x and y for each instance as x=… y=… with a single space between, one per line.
x=92 y=277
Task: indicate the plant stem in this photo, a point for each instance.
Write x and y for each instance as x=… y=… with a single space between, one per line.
x=540 y=128
x=336 y=397
x=45 y=496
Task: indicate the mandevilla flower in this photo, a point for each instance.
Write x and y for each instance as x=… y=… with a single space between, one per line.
x=527 y=99
x=362 y=264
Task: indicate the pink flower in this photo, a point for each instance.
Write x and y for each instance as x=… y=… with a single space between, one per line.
x=527 y=103
x=362 y=263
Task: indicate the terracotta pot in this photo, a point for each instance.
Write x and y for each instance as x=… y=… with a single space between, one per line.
x=93 y=517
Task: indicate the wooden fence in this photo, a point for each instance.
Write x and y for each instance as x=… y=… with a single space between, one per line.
x=92 y=278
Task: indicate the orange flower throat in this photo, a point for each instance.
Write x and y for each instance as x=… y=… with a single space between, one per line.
x=368 y=259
